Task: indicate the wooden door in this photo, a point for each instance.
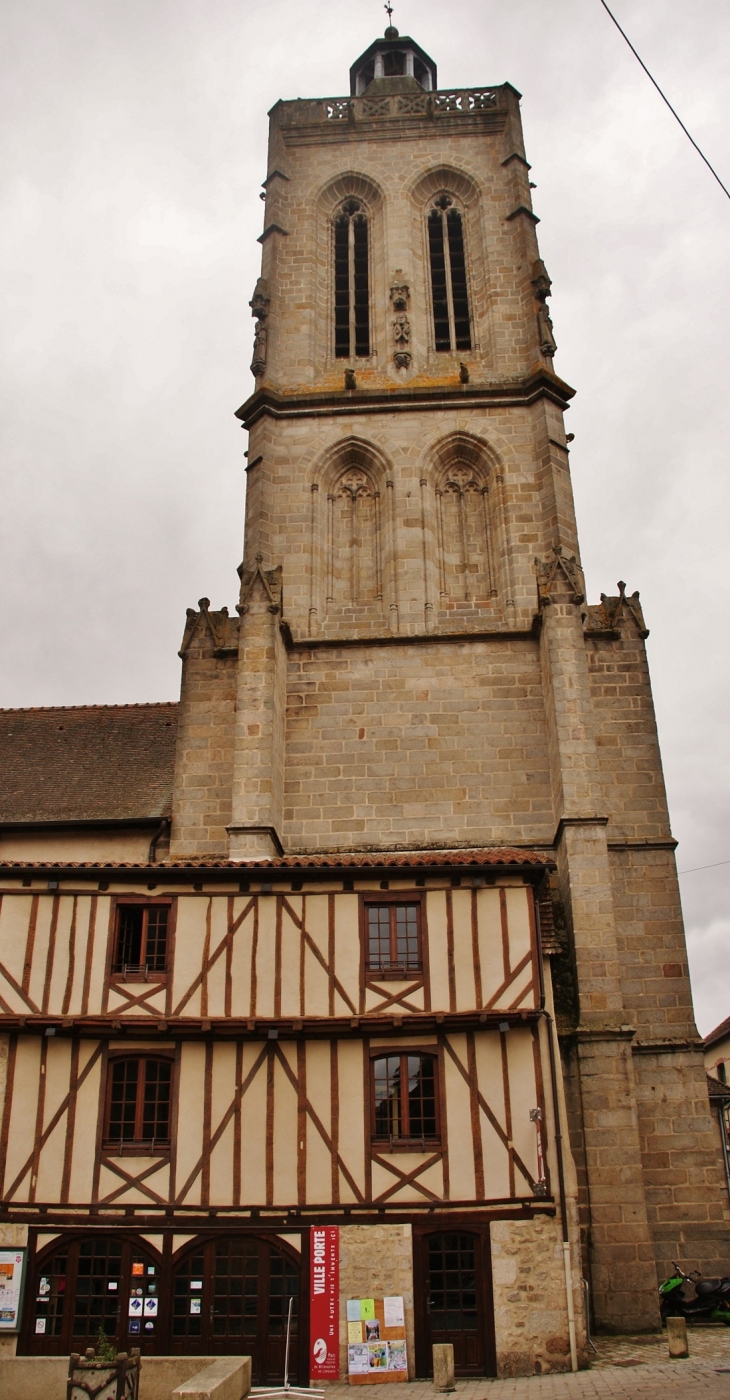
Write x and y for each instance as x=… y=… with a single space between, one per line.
x=84 y=1284
x=231 y=1296
x=452 y=1278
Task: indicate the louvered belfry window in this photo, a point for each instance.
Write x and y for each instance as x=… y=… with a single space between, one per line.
x=352 y=286
x=449 y=293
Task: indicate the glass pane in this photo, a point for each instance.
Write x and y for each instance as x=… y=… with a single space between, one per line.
x=421 y=1097
x=378 y=936
x=342 y=287
x=156 y=945
x=187 y=1302
x=95 y=1304
x=452 y=1283
x=123 y=1100
x=362 y=294
x=438 y=281
x=458 y=280
x=236 y=1288
x=387 y=1097
x=406 y=929
x=283 y=1285
x=51 y=1294
x=156 y=1109
x=129 y=937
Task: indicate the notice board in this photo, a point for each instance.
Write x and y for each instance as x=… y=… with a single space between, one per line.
x=376 y=1341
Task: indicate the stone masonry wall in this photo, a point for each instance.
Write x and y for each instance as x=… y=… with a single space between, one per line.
x=376 y=1261
x=513 y=454
x=530 y=1311
x=421 y=744
x=205 y=750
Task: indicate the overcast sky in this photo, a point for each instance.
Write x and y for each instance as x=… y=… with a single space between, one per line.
x=133 y=148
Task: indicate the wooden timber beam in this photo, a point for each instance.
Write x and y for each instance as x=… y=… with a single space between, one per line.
x=264 y=1028
x=224 y=1218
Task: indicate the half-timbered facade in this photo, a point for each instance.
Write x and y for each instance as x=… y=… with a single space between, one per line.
x=378 y=928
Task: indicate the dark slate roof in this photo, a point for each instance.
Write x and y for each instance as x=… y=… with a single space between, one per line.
x=87 y=763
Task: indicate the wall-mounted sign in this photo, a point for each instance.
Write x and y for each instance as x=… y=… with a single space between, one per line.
x=324 y=1302
x=376 y=1340
x=12 y=1277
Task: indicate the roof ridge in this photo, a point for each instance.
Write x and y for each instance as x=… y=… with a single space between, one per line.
x=332 y=861
x=719 y=1033
x=54 y=709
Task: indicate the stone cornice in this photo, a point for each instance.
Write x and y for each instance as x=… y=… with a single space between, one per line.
x=349 y=402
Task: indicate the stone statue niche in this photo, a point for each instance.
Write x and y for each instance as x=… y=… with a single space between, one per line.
x=542 y=288
x=399 y=294
x=259 y=304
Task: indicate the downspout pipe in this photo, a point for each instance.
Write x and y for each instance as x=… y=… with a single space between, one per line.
x=558 y=1150
x=161 y=831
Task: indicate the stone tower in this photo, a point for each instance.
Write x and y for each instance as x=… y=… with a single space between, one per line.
x=414 y=665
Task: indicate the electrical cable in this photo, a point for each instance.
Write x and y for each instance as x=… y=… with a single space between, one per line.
x=714 y=866
x=665 y=99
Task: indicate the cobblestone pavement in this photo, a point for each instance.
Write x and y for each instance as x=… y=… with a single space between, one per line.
x=625 y=1368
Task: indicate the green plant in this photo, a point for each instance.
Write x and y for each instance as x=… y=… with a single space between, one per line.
x=105 y=1349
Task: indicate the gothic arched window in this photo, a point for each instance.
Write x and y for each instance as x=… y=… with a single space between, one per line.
x=352 y=289
x=448 y=276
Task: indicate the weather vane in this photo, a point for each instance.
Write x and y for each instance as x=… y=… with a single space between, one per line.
x=389 y=8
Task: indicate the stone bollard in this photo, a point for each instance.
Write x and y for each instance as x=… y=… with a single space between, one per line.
x=677 y=1337
x=443 y=1366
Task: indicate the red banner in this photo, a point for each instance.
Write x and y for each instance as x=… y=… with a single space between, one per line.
x=324 y=1300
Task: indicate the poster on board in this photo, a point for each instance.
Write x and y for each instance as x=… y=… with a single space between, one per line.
x=376 y=1341
x=12 y=1273
x=324 y=1346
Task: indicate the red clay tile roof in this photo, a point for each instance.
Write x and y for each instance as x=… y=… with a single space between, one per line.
x=720 y=1033
x=87 y=763
x=716 y=1089
x=338 y=860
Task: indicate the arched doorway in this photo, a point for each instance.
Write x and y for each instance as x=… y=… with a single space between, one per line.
x=80 y=1284
x=231 y=1295
x=452 y=1276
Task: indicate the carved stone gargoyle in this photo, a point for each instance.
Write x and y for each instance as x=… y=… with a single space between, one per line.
x=561 y=568
x=271 y=580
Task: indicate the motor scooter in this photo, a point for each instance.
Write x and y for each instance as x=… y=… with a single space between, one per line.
x=711 y=1300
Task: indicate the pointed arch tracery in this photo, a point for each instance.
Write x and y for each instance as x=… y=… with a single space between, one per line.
x=349 y=554
x=471 y=552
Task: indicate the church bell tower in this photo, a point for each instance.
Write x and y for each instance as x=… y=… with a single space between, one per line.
x=413 y=666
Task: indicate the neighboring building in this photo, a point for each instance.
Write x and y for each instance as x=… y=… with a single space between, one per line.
x=717 y=1052
x=298 y=973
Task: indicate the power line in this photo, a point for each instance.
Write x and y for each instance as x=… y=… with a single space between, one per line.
x=690 y=138
x=704 y=867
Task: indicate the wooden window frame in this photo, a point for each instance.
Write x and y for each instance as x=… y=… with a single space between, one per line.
x=405 y=1144
x=393 y=972
x=145 y=902
x=138 y=1147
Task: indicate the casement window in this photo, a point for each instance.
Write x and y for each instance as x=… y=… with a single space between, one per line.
x=138 y=1103
x=393 y=937
x=404 y=1098
x=352 y=282
x=449 y=294
x=141 y=939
